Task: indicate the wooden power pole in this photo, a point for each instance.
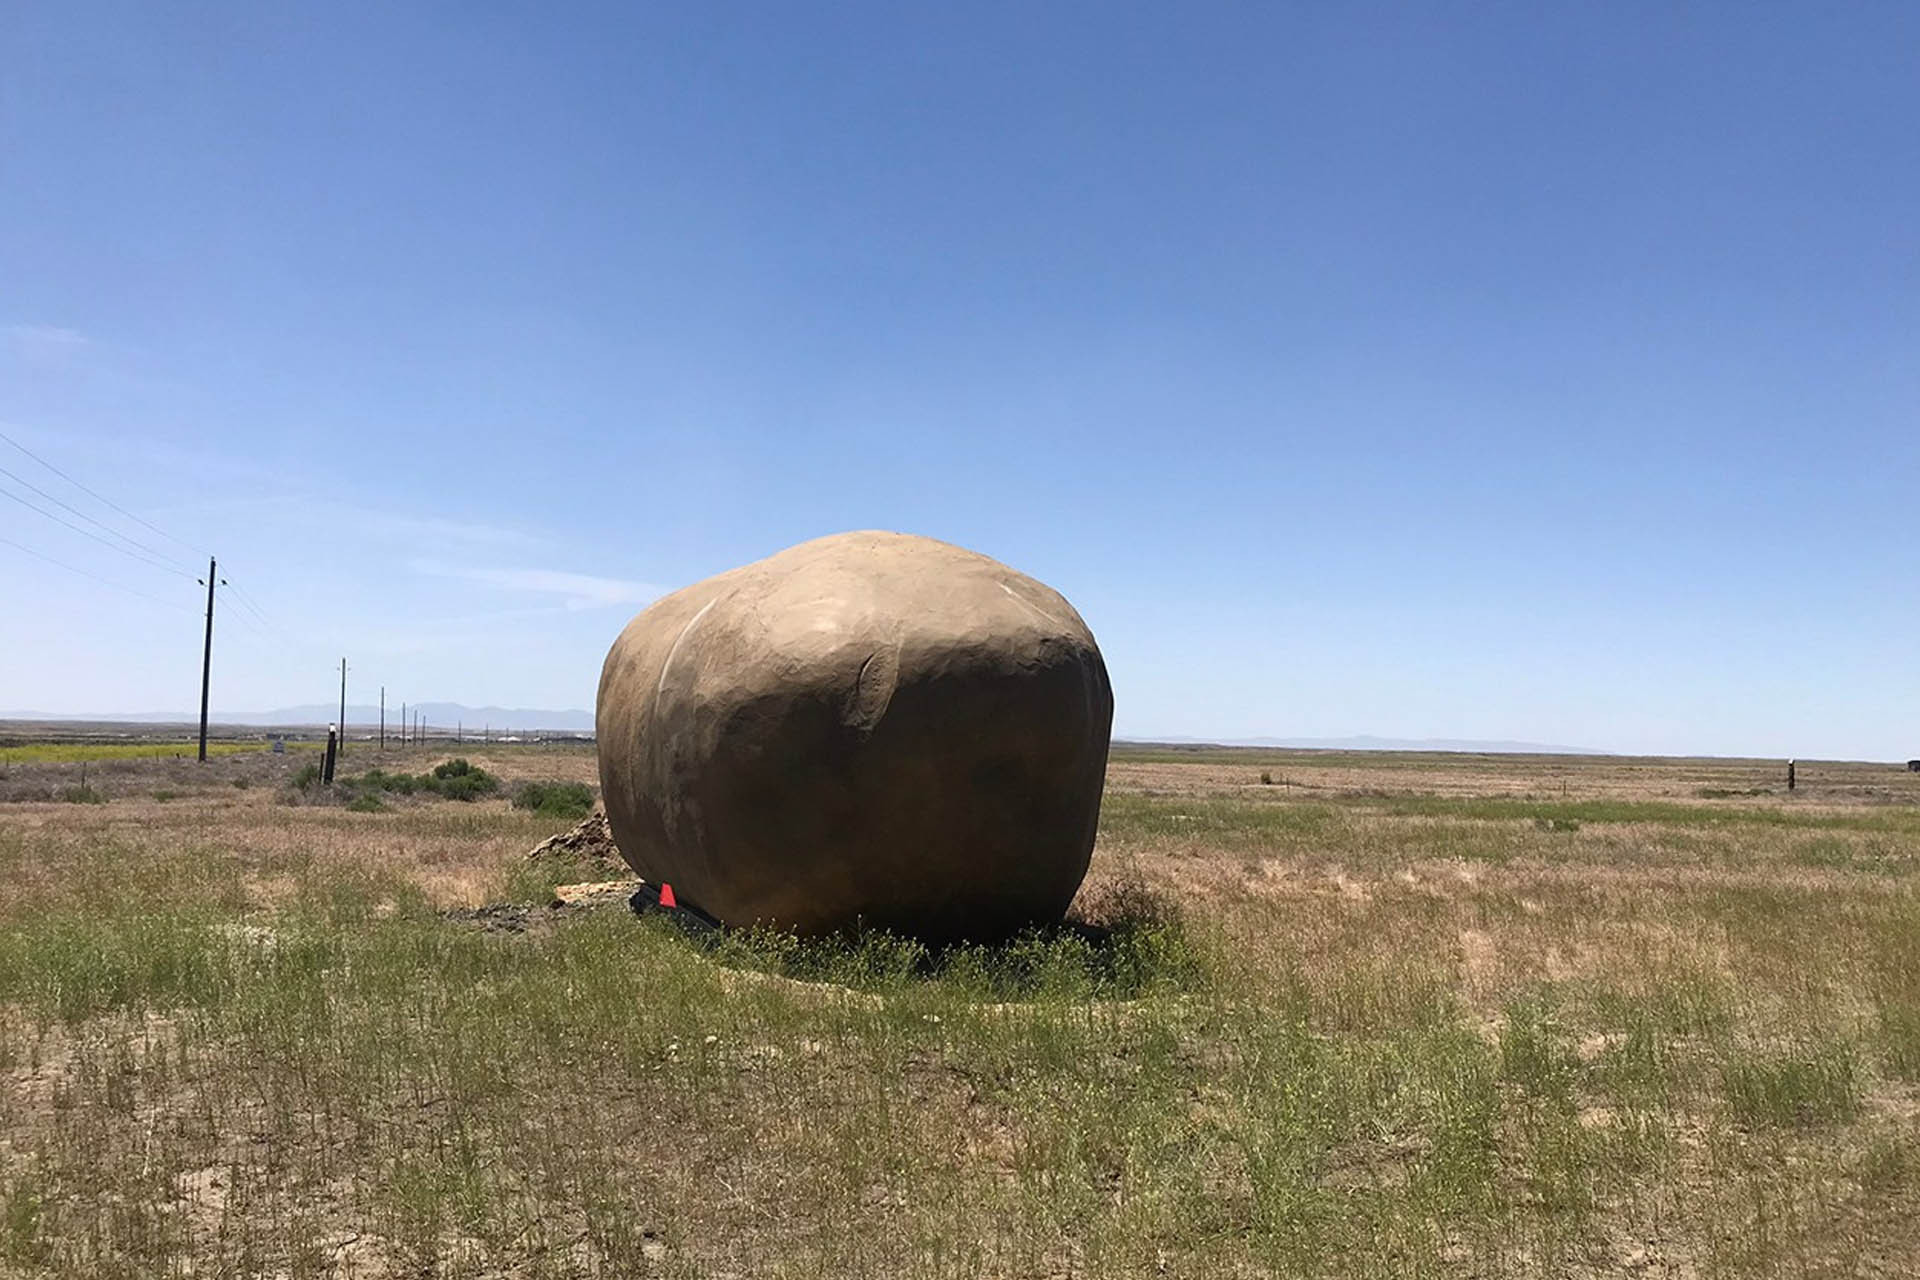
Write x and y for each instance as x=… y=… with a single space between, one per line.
x=383 y=717
x=343 y=705
x=206 y=661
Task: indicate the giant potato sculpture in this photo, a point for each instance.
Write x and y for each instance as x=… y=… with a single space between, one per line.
x=867 y=729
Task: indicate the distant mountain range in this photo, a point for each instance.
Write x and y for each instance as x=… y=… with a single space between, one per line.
x=439 y=715
x=1367 y=743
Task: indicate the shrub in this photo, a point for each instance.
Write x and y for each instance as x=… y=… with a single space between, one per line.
x=368 y=802
x=468 y=785
x=459 y=779
x=307 y=777
x=555 y=799
x=82 y=794
x=454 y=779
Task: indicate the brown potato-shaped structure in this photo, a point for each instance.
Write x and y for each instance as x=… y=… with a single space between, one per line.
x=866 y=729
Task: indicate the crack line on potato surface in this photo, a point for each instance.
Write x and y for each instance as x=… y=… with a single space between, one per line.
x=661 y=687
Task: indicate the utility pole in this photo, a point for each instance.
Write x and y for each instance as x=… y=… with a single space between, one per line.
x=404 y=722
x=206 y=661
x=383 y=717
x=343 y=704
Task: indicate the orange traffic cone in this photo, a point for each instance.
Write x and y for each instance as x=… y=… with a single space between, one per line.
x=667 y=901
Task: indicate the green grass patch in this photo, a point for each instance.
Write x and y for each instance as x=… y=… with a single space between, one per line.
x=1233 y=823
x=1874 y=855
x=1650 y=812
x=1796 y=1085
x=1271 y=816
x=75 y=752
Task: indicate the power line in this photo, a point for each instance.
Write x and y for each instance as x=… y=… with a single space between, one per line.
x=278 y=632
x=96 y=577
x=247 y=622
x=234 y=595
x=247 y=601
x=67 y=506
x=151 y=564
x=90 y=493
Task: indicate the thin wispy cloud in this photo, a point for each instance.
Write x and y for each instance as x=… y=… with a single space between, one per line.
x=44 y=343
x=372 y=521
x=450 y=634
x=440 y=529
x=577 y=590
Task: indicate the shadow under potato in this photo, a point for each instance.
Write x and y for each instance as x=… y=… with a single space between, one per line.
x=1119 y=942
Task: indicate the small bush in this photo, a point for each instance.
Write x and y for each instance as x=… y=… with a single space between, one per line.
x=307 y=777
x=368 y=802
x=555 y=799
x=241 y=784
x=459 y=779
x=467 y=786
x=165 y=794
x=454 y=779
x=81 y=794
x=1266 y=777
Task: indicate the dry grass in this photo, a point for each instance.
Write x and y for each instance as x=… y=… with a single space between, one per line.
x=1385 y=1016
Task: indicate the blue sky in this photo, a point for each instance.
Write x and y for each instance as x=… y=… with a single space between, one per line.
x=1499 y=371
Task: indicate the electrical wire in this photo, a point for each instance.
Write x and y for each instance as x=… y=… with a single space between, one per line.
x=67 y=506
x=151 y=564
x=251 y=607
x=171 y=604
x=279 y=632
x=251 y=625
x=90 y=493
x=274 y=632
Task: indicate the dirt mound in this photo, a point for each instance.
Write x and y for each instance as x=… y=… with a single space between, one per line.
x=590 y=841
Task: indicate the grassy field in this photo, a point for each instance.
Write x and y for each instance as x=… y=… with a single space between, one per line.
x=1372 y=1016
x=45 y=752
